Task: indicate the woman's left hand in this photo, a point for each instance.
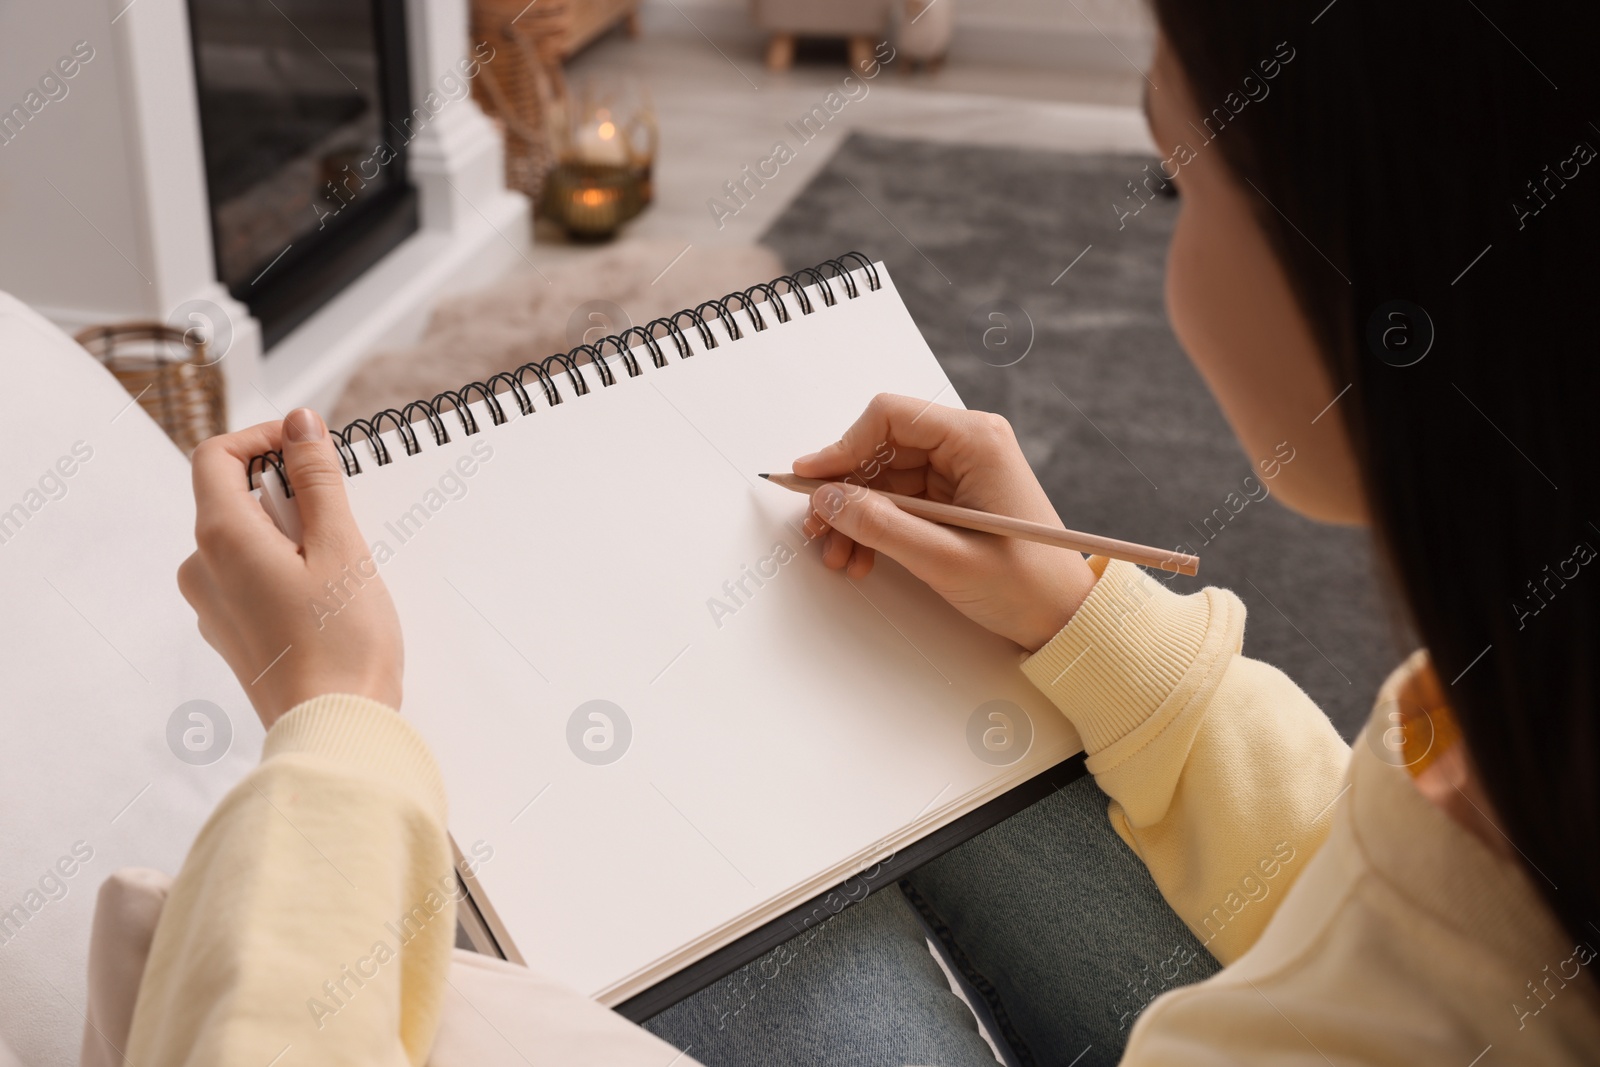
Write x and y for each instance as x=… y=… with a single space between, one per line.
x=292 y=621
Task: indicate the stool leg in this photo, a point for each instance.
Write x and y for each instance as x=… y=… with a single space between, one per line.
x=860 y=54
x=780 y=51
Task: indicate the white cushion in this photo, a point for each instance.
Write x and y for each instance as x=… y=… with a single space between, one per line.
x=97 y=650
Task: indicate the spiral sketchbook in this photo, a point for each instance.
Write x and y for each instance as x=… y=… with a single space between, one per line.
x=661 y=720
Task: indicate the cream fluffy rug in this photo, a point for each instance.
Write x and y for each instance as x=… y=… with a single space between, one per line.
x=524 y=317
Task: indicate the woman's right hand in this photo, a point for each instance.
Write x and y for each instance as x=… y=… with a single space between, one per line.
x=1018 y=589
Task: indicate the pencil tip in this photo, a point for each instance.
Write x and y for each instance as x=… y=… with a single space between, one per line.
x=765 y=476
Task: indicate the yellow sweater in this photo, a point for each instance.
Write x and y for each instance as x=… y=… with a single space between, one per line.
x=1359 y=923
x=313 y=911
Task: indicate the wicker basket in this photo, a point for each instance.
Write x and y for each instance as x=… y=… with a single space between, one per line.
x=522 y=85
x=168 y=372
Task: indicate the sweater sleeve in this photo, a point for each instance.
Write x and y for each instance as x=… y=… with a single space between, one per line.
x=1222 y=773
x=316 y=909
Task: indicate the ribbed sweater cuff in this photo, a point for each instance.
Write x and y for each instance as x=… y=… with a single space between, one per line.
x=1122 y=654
x=362 y=735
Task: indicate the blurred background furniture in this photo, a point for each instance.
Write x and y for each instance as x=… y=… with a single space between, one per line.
x=861 y=22
x=584 y=20
x=523 y=86
x=923 y=31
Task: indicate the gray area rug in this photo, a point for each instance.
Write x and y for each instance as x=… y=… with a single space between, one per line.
x=1120 y=428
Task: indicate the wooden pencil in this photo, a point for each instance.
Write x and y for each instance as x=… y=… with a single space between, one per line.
x=1006 y=526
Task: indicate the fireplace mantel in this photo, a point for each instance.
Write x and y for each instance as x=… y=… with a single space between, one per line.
x=104 y=188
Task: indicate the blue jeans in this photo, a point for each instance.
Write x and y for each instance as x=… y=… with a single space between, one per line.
x=1052 y=919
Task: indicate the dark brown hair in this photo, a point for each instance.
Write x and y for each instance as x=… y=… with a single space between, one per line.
x=1442 y=155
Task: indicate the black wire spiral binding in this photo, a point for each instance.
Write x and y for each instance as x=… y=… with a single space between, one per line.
x=405 y=420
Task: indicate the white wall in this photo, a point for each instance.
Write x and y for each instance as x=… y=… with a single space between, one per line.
x=65 y=230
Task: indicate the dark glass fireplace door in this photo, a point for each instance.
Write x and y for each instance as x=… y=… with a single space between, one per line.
x=306 y=176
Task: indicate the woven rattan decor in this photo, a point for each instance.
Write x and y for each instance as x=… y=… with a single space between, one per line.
x=169 y=372
x=522 y=84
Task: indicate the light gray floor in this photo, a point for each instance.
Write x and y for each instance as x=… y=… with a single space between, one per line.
x=720 y=109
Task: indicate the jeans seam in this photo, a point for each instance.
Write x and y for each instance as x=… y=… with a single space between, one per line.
x=976 y=980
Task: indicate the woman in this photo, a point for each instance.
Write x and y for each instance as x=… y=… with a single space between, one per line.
x=1380 y=259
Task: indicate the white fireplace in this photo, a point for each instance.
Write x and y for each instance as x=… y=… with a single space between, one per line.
x=104 y=209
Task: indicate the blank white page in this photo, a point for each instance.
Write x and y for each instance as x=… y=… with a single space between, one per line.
x=776 y=746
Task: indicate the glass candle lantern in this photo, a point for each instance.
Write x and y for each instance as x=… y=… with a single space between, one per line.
x=592 y=200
